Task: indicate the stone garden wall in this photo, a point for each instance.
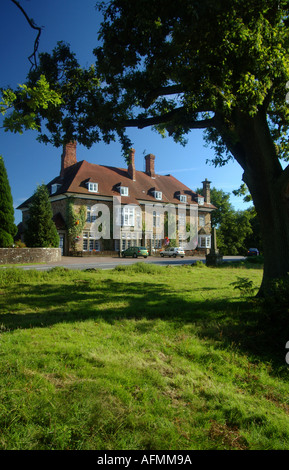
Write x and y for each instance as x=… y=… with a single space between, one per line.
x=29 y=255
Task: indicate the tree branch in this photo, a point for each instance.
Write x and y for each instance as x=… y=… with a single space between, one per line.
x=162 y=91
x=33 y=57
x=178 y=113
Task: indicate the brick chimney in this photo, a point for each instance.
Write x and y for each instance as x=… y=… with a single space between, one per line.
x=150 y=165
x=207 y=191
x=68 y=157
x=131 y=165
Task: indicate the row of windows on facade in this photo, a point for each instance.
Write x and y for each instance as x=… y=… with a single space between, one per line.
x=131 y=218
x=89 y=243
x=123 y=190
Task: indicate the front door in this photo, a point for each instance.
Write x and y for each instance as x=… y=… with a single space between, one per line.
x=61 y=243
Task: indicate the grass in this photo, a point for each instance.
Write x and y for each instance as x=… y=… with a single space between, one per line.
x=139 y=358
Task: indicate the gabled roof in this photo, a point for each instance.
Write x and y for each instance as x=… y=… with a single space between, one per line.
x=110 y=178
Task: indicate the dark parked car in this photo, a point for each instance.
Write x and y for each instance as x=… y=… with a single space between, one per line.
x=135 y=251
x=253 y=252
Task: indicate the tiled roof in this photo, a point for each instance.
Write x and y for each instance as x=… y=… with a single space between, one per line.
x=110 y=178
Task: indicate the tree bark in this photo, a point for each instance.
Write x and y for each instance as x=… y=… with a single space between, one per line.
x=267 y=182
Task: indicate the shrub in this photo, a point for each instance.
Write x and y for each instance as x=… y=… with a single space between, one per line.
x=199 y=264
x=244 y=285
x=41 y=230
x=255 y=259
x=8 y=229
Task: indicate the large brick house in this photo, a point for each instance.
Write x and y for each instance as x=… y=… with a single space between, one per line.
x=143 y=198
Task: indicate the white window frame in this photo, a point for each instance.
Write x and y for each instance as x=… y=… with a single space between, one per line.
x=90 y=218
x=156 y=219
x=183 y=198
x=201 y=201
x=89 y=243
x=124 y=191
x=156 y=242
x=92 y=187
x=202 y=220
x=204 y=241
x=127 y=216
x=158 y=195
x=54 y=188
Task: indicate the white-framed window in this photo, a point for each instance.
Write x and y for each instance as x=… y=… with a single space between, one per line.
x=90 y=216
x=183 y=198
x=54 y=188
x=204 y=241
x=123 y=241
x=201 y=200
x=89 y=243
x=202 y=221
x=92 y=187
x=158 y=195
x=127 y=216
x=156 y=242
x=156 y=219
x=124 y=191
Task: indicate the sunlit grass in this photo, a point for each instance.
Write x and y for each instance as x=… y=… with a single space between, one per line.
x=142 y=357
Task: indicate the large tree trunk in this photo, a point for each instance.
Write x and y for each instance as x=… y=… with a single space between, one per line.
x=273 y=213
x=267 y=183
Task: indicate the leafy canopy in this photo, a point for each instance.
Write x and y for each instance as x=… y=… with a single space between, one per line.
x=177 y=66
x=191 y=64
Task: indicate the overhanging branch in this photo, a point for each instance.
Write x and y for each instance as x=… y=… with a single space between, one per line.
x=175 y=116
x=33 y=57
x=162 y=91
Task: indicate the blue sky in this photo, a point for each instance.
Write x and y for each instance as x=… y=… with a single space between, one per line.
x=30 y=163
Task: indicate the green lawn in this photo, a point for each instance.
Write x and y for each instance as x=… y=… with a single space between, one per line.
x=139 y=358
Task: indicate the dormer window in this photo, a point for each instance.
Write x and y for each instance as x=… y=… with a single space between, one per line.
x=124 y=191
x=54 y=188
x=158 y=195
x=201 y=200
x=183 y=198
x=92 y=187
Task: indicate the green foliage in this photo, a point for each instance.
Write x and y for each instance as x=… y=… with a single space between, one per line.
x=75 y=222
x=234 y=228
x=244 y=285
x=67 y=98
x=41 y=230
x=233 y=232
x=7 y=227
x=6 y=239
x=199 y=264
x=221 y=201
x=25 y=103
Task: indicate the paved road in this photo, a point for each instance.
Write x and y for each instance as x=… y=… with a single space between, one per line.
x=111 y=262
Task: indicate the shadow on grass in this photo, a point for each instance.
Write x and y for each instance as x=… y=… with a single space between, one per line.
x=232 y=323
